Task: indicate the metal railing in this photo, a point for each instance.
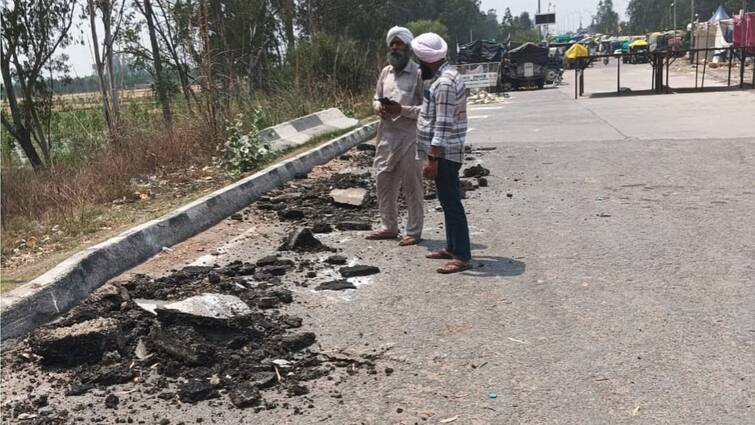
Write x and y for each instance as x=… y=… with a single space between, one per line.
x=661 y=62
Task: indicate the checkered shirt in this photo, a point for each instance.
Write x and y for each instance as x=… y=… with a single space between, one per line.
x=443 y=117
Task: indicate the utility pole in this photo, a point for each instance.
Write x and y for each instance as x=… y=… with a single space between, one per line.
x=539 y=32
x=674 y=14
x=692 y=11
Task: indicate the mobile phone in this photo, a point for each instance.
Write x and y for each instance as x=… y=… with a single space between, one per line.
x=385 y=101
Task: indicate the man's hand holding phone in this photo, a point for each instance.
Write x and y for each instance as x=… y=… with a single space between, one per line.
x=389 y=109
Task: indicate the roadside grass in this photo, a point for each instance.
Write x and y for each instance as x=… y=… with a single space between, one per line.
x=32 y=246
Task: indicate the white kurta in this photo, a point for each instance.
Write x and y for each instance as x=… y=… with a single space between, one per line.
x=396 y=155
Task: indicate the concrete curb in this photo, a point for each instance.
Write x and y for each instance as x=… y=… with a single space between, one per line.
x=301 y=130
x=68 y=283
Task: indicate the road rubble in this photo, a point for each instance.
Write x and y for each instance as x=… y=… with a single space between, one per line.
x=207 y=332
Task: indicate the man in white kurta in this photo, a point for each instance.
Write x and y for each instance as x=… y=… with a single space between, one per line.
x=396 y=158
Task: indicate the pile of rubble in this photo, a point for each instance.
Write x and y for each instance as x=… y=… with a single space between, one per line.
x=207 y=332
x=197 y=334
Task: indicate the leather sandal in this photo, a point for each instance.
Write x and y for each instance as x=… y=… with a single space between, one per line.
x=409 y=240
x=440 y=254
x=454 y=266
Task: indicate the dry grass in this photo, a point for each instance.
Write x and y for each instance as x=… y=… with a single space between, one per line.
x=48 y=216
x=107 y=177
x=79 y=200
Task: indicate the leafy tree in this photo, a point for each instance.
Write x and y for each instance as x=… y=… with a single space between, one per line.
x=519 y=29
x=488 y=28
x=606 y=19
x=651 y=15
x=425 y=25
x=33 y=31
x=524 y=22
x=508 y=18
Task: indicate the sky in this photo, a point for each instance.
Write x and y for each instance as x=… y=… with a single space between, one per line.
x=568 y=13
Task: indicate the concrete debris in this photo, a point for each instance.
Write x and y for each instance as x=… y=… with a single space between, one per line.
x=211 y=306
x=355 y=197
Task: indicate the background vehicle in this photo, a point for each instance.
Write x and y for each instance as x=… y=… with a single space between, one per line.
x=524 y=66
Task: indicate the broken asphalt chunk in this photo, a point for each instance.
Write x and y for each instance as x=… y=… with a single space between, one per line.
x=335 y=285
x=358 y=270
x=196 y=390
x=322 y=228
x=83 y=342
x=301 y=239
x=245 y=395
x=262 y=379
x=291 y=214
x=336 y=259
x=299 y=341
x=366 y=147
x=476 y=171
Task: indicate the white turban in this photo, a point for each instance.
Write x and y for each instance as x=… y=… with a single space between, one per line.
x=402 y=33
x=429 y=47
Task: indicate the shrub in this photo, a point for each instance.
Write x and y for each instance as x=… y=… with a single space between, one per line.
x=244 y=151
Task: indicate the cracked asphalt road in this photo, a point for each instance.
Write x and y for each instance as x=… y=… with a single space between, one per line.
x=614 y=286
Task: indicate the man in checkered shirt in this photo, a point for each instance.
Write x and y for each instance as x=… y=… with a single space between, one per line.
x=441 y=130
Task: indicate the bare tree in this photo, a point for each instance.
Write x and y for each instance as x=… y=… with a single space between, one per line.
x=32 y=32
x=161 y=80
x=112 y=20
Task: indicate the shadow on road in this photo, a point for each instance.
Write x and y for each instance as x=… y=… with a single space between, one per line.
x=483 y=265
x=494 y=266
x=432 y=244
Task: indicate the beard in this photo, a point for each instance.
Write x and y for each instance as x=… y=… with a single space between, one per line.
x=398 y=60
x=427 y=72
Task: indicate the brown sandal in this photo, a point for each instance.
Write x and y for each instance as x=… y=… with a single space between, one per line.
x=454 y=266
x=439 y=254
x=381 y=235
x=409 y=240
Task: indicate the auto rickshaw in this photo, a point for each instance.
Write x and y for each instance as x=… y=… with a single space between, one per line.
x=639 y=51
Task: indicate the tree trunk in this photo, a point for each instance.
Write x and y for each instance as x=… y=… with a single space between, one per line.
x=172 y=45
x=288 y=23
x=99 y=66
x=162 y=86
x=207 y=65
x=107 y=20
x=227 y=71
x=17 y=129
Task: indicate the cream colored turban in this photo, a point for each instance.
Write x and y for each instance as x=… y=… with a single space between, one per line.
x=429 y=47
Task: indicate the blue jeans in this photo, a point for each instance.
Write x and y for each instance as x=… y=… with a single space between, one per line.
x=449 y=195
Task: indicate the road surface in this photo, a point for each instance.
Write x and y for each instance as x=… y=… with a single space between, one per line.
x=613 y=286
